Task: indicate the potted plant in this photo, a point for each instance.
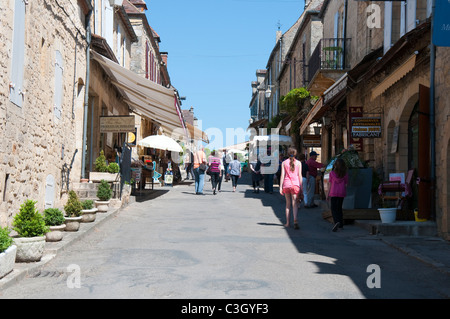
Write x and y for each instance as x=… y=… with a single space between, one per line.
x=388 y=213
x=73 y=212
x=7 y=252
x=104 y=194
x=31 y=229
x=103 y=170
x=88 y=213
x=54 y=219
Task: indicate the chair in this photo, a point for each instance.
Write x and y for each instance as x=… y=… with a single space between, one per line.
x=401 y=190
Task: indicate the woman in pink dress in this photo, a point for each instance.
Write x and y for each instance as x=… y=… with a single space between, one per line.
x=291 y=184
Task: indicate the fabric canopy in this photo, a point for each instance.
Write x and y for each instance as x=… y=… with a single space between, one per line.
x=145 y=97
x=197 y=134
x=161 y=142
x=280 y=139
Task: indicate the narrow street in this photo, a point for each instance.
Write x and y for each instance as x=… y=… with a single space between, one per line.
x=227 y=246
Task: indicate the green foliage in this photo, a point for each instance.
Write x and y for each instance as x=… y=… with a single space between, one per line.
x=28 y=222
x=275 y=121
x=113 y=168
x=53 y=217
x=5 y=239
x=292 y=102
x=73 y=206
x=104 y=191
x=87 y=204
x=100 y=163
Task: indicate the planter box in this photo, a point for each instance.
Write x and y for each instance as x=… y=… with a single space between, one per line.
x=88 y=215
x=72 y=223
x=102 y=206
x=55 y=233
x=29 y=248
x=98 y=176
x=7 y=260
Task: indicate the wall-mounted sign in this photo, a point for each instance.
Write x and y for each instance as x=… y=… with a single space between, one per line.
x=441 y=23
x=355 y=112
x=366 y=127
x=117 y=124
x=312 y=140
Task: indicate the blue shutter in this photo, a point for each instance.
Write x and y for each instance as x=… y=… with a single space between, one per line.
x=58 y=97
x=18 y=54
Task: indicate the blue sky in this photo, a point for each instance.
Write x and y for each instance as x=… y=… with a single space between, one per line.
x=214 y=49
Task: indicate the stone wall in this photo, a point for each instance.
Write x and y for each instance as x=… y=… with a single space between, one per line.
x=34 y=143
x=442 y=103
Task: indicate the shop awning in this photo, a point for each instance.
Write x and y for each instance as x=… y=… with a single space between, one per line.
x=197 y=134
x=145 y=97
x=316 y=112
x=394 y=76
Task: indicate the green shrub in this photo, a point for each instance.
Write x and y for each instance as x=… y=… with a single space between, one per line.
x=87 y=204
x=53 y=217
x=104 y=191
x=28 y=222
x=73 y=206
x=5 y=239
x=100 y=163
x=113 y=167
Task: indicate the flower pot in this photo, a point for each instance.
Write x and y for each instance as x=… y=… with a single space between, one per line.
x=29 y=248
x=88 y=215
x=72 y=223
x=388 y=215
x=98 y=176
x=7 y=260
x=102 y=206
x=55 y=233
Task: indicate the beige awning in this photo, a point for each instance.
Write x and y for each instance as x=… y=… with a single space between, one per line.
x=317 y=110
x=145 y=97
x=394 y=76
x=197 y=134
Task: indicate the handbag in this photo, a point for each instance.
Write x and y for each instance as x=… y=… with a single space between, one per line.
x=202 y=167
x=208 y=171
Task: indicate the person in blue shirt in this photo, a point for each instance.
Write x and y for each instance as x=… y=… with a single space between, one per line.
x=235 y=171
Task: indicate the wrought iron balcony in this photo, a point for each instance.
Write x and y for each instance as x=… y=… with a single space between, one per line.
x=330 y=54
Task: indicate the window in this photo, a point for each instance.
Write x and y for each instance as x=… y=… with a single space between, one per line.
x=18 y=54
x=58 y=97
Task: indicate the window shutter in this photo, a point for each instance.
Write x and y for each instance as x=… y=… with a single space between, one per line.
x=18 y=54
x=49 y=191
x=411 y=15
x=387 y=26
x=59 y=68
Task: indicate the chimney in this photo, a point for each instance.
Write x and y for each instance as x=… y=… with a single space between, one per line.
x=164 y=57
x=279 y=35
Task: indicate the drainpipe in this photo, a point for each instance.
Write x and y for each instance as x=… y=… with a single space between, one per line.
x=344 y=35
x=86 y=93
x=432 y=119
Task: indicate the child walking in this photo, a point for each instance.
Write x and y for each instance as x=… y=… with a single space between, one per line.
x=337 y=185
x=291 y=184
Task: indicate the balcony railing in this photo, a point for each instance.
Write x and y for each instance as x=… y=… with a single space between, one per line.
x=330 y=54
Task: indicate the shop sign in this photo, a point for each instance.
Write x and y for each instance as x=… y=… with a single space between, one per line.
x=441 y=23
x=366 y=127
x=117 y=124
x=355 y=112
x=312 y=140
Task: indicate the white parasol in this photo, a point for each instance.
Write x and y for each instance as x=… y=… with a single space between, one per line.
x=161 y=142
x=280 y=139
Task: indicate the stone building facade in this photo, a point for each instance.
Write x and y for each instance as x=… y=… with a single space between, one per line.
x=41 y=100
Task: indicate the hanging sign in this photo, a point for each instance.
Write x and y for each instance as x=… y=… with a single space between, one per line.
x=366 y=127
x=354 y=112
x=441 y=23
x=312 y=140
x=117 y=124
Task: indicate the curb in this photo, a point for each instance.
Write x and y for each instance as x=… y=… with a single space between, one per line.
x=23 y=270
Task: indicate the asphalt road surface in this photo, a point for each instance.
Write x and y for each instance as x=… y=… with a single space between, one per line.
x=228 y=246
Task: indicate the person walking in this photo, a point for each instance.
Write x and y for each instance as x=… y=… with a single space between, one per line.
x=226 y=161
x=305 y=177
x=235 y=171
x=199 y=171
x=313 y=165
x=188 y=164
x=268 y=173
x=222 y=173
x=337 y=181
x=255 y=167
x=291 y=185
x=214 y=164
